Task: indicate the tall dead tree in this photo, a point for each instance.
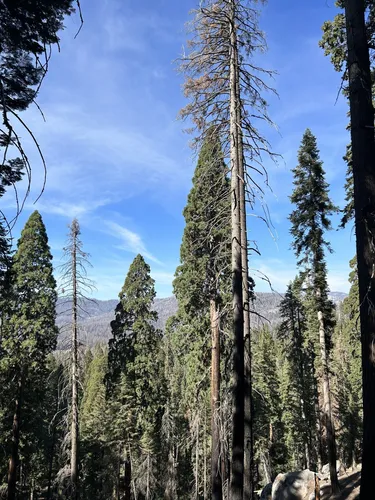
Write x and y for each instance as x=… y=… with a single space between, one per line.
x=74 y=361
x=237 y=291
x=248 y=486
x=363 y=161
x=225 y=89
x=75 y=285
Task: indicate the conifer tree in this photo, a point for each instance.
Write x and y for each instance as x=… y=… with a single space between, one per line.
x=29 y=333
x=134 y=365
x=223 y=87
x=297 y=378
x=76 y=285
x=347 y=369
x=98 y=458
x=310 y=220
x=268 y=425
x=202 y=280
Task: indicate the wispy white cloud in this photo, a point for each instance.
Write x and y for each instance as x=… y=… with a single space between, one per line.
x=66 y=209
x=130 y=241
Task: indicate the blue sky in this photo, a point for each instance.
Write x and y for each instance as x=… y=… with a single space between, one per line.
x=118 y=158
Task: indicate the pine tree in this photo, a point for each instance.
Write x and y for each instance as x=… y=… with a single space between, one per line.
x=347 y=369
x=268 y=425
x=309 y=222
x=134 y=365
x=98 y=458
x=29 y=333
x=297 y=376
x=186 y=380
x=202 y=280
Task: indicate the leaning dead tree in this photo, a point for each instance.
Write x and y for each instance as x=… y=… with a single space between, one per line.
x=225 y=88
x=75 y=285
x=363 y=161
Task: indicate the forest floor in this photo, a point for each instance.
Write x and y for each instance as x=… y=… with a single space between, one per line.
x=349 y=484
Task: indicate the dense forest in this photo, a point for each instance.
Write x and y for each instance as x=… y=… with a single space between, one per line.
x=216 y=401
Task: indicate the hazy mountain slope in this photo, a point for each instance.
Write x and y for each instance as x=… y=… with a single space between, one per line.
x=96 y=315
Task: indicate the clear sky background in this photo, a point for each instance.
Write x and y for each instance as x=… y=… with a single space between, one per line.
x=118 y=158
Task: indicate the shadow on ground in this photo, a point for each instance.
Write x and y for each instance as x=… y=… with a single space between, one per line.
x=349 y=485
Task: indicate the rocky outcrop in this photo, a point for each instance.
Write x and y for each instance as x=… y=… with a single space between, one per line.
x=299 y=485
x=340 y=469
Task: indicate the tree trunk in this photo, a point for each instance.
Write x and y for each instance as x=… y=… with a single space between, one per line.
x=32 y=489
x=248 y=403
x=197 y=463
x=13 y=461
x=238 y=316
x=74 y=423
x=301 y=367
x=248 y=486
x=266 y=467
x=204 y=455
x=128 y=477
x=319 y=446
x=133 y=480
x=148 y=477
x=363 y=160
x=216 y=481
x=327 y=408
x=50 y=463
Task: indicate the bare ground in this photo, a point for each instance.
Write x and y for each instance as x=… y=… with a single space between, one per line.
x=349 y=484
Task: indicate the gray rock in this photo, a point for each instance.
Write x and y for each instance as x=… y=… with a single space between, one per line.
x=299 y=485
x=340 y=469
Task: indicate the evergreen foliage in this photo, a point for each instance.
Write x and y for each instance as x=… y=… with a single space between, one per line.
x=98 y=467
x=268 y=424
x=347 y=370
x=297 y=380
x=134 y=378
x=29 y=332
x=29 y=335
x=157 y=416
x=202 y=286
x=334 y=44
x=205 y=247
x=310 y=220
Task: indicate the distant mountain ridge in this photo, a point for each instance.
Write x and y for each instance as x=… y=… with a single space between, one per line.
x=96 y=315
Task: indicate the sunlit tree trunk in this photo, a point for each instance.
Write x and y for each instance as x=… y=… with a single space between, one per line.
x=327 y=407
